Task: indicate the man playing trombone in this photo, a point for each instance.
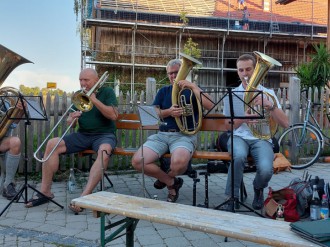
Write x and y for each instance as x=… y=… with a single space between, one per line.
x=96 y=131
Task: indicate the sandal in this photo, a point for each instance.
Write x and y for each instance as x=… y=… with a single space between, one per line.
x=178 y=182
x=75 y=209
x=37 y=200
x=159 y=185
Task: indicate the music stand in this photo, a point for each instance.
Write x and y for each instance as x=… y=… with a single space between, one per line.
x=33 y=109
x=148 y=117
x=234 y=98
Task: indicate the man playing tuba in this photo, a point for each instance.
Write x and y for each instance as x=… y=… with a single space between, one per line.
x=245 y=142
x=169 y=138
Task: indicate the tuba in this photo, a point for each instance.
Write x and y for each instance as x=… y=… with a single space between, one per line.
x=9 y=60
x=179 y=99
x=265 y=128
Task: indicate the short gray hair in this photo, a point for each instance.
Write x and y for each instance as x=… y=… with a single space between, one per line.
x=173 y=62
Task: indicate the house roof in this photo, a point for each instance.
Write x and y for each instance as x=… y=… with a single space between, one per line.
x=298 y=11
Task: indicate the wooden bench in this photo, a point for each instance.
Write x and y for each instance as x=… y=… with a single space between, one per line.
x=130 y=121
x=238 y=226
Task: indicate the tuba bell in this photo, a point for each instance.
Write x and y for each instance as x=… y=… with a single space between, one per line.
x=179 y=99
x=264 y=128
x=9 y=60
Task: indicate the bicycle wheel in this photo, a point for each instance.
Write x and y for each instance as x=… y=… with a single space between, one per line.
x=301 y=146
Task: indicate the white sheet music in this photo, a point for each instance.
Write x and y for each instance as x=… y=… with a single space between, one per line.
x=35 y=110
x=238 y=105
x=148 y=115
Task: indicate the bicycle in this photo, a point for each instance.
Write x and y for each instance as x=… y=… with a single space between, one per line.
x=303 y=143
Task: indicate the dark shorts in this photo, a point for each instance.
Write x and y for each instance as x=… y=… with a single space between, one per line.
x=76 y=142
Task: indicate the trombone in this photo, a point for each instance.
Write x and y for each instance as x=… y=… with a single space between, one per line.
x=82 y=102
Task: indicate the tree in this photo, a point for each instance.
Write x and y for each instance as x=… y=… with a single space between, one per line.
x=190 y=47
x=316 y=73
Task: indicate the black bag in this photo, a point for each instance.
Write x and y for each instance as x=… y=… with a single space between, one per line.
x=304 y=194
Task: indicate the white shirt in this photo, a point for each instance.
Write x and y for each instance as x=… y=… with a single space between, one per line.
x=243 y=130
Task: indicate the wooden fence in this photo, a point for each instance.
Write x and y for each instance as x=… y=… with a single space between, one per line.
x=55 y=107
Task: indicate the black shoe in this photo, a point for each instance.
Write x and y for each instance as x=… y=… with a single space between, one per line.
x=178 y=182
x=258 y=200
x=159 y=185
x=9 y=192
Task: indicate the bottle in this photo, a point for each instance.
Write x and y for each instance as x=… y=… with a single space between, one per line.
x=315 y=206
x=324 y=207
x=72 y=182
x=280 y=213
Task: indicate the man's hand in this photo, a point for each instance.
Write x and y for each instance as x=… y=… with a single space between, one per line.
x=73 y=116
x=267 y=104
x=186 y=84
x=176 y=111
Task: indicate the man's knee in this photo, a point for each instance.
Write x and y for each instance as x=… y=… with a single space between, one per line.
x=179 y=166
x=136 y=162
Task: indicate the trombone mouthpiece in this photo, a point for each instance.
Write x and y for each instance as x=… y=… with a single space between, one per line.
x=246 y=79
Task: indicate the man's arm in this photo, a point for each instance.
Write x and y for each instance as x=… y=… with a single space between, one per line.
x=206 y=98
x=109 y=111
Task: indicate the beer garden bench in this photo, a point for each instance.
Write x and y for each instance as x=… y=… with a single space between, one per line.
x=244 y=227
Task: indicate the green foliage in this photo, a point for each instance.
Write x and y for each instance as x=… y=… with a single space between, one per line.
x=191 y=48
x=36 y=90
x=184 y=18
x=77 y=6
x=316 y=73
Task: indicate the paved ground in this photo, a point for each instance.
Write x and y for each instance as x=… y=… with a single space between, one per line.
x=49 y=225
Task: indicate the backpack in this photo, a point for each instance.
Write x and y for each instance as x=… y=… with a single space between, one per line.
x=304 y=194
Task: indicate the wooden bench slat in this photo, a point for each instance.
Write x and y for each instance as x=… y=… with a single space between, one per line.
x=234 y=225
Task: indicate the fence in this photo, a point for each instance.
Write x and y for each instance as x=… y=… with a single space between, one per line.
x=56 y=106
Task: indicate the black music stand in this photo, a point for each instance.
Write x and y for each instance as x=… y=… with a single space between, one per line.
x=235 y=97
x=33 y=109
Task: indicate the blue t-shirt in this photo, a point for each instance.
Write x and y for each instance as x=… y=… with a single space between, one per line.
x=164 y=101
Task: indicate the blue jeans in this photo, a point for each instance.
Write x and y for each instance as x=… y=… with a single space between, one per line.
x=263 y=156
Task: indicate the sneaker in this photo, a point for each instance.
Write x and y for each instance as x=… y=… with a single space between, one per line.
x=258 y=200
x=9 y=192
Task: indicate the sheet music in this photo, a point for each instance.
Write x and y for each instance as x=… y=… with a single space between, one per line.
x=238 y=105
x=148 y=115
x=35 y=110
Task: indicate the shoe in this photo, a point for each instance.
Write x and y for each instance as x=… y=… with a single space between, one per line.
x=75 y=209
x=159 y=185
x=9 y=192
x=37 y=200
x=178 y=182
x=258 y=200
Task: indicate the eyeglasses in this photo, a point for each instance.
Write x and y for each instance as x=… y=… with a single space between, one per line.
x=172 y=73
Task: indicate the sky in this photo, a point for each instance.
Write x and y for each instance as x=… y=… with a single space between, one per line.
x=44 y=32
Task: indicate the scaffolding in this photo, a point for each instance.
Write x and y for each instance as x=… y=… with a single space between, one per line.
x=139 y=35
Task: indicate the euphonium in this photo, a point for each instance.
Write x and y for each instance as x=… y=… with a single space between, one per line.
x=267 y=127
x=179 y=99
x=9 y=60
